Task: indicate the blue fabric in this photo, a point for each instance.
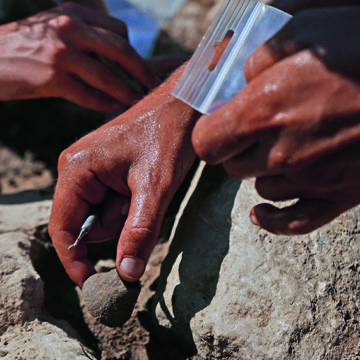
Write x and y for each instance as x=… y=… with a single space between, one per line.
x=143 y=29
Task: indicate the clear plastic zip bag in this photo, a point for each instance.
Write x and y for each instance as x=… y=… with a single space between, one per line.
x=214 y=74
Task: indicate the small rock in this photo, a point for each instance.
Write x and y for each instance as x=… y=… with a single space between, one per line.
x=109 y=299
x=23 y=211
x=21 y=289
x=40 y=340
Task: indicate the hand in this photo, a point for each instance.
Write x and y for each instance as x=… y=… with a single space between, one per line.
x=134 y=163
x=57 y=53
x=299 y=112
x=325 y=189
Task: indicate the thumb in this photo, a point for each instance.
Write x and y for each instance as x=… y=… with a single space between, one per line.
x=140 y=233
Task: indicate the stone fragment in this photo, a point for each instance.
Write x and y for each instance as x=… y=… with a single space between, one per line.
x=38 y=340
x=24 y=211
x=109 y=299
x=21 y=289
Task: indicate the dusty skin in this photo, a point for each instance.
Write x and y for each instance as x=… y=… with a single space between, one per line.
x=132 y=166
x=296 y=126
x=56 y=54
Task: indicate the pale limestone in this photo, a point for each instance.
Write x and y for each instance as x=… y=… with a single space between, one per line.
x=275 y=297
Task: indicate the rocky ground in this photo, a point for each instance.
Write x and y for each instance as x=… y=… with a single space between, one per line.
x=224 y=290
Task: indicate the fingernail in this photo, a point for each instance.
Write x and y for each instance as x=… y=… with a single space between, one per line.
x=132 y=268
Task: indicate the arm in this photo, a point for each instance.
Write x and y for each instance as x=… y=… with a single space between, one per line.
x=56 y=53
x=296 y=126
x=132 y=166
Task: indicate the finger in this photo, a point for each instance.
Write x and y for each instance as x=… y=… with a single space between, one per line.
x=303 y=217
x=140 y=233
x=95 y=18
x=116 y=48
x=66 y=220
x=112 y=214
x=71 y=206
x=83 y=95
x=254 y=161
x=280 y=188
x=214 y=136
x=258 y=112
x=101 y=77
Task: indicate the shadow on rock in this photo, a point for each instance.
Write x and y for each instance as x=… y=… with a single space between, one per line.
x=190 y=272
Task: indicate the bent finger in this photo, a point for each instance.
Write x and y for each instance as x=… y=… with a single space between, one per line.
x=83 y=95
x=115 y=48
x=65 y=223
x=279 y=188
x=98 y=19
x=101 y=77
x=112 y=214
x=140 y=233
x=254 y=161
x=77 y=191
x=214 y=136
x=302 y=217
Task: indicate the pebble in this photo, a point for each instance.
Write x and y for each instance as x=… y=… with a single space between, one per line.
x=109 y=299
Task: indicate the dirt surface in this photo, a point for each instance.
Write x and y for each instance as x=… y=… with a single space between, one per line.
x=33 y=133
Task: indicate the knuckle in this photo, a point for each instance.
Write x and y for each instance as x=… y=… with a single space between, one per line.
x=141 y=235
x=280 y=159
x=63 y=159
x=58 y=51
x=70 y=159
x=64 y=24
x=277 y=162
x=141 y=232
